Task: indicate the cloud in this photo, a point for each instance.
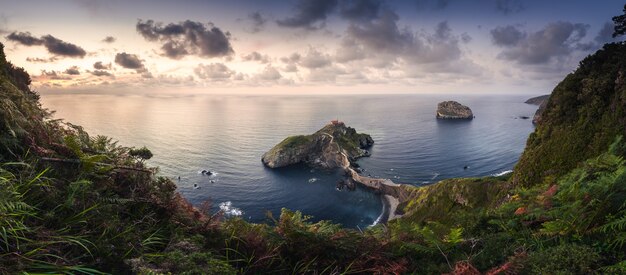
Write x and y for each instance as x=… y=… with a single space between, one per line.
x=214 y=71
x=257 y=20
x=605 y=35
x=72 y=70
x=52 y=75
x=109 y=39
x=309 y=12
x=507 y=36
x=349 y=51
x=363 y=10
x=41 y=60
x=24 y=38
x=255 y=56
x=556 y=40
x=384 y=38
x=129 y=61
x=269 y=73
x=187 y=38
x=60 y=47
x=509 y=6
x=53 y=45
x=101 y=66
x=101 y=73
x=314 y=59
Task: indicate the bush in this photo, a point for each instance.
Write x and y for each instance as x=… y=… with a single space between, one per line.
x=563 y=259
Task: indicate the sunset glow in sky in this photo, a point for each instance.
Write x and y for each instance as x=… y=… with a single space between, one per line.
x=303 y=46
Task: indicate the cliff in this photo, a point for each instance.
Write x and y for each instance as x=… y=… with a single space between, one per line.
x=325 y=148
x=541 y=101
x=584 y=113
x=453 y=110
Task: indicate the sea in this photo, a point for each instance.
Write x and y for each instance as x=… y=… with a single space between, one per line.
x=228 y=134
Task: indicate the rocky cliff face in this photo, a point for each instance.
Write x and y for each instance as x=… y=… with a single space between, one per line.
x=324 y=149
x=542 y=102
x=453 y=110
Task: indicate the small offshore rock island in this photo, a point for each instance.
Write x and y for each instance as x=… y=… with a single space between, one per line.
x=337 y=146
x=453 y=110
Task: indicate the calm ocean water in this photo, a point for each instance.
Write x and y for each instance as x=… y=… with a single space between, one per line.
x=228 y=135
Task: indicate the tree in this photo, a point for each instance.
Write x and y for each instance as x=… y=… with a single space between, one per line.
x=620 y=24
x=142 y=153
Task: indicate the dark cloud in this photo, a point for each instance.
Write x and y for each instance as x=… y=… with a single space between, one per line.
x=24 y=38
x=258 y=21
x=382 y=33
x=101 y=73
x=72 y=70
x=360 y=9
x=53 y=45
x=509 y=6
x=255 y=56
x=60 y=47
x=129 y=61
x=309 y=12
x=507 y=36
x=381 y=43
x=187 y=38
x=41 y=60
x=213 y=71
x=556 y=40
x=109 y=39
x=101 y=66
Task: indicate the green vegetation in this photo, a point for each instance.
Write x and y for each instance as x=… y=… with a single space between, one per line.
x=295 y=141
x=582 y=117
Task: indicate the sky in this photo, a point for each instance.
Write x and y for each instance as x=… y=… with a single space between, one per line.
x=303 y=46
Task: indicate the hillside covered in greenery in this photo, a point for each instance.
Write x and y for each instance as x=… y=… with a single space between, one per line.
x=73 y=203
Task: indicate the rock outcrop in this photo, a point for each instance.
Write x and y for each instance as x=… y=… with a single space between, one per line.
x=541 y=101
x=453 y=110
x=325 y=148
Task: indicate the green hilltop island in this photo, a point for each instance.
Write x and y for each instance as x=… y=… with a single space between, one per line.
x=72 y=203
x=333 y=146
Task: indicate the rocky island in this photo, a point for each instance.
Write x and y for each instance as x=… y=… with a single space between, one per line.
x=453 y=110
x=337 y=146
x=327 y=148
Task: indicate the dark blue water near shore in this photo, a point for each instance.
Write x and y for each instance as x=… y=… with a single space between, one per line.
x=228 y=135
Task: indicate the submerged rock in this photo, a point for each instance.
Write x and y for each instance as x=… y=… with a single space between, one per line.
x=324 y=149
x=453 y=110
